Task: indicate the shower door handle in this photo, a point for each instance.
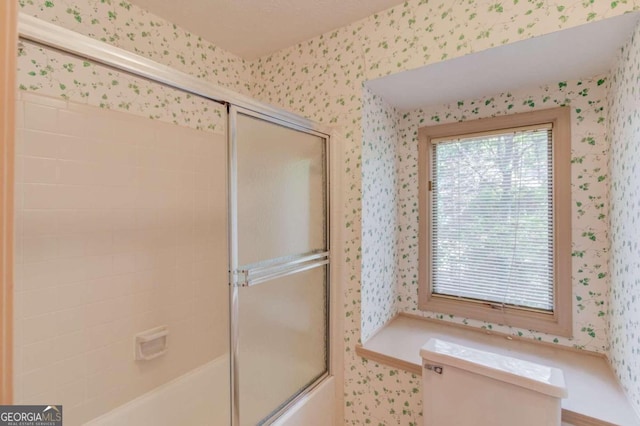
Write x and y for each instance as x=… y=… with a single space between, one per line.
x=259 y=273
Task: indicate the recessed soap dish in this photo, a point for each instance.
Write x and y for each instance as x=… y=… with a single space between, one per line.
x=151 y=343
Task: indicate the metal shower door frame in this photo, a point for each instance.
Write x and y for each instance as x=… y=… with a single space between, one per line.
x=62 y=39
x=235 y=282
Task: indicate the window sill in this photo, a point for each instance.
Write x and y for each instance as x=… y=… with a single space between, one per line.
x=558 y=324
x=595 y=397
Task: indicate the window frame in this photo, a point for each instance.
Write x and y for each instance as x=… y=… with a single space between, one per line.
x=559 y=322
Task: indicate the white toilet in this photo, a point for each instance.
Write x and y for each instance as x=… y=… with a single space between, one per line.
x=463 y=386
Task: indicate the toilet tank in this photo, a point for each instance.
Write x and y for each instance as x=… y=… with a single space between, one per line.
x=463 y=386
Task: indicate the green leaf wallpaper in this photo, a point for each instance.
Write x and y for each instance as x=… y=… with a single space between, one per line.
x=590 y=186
x=122 y=24
x=56 y=74
x=624 y=135
x=380 y=197
x=322 y=78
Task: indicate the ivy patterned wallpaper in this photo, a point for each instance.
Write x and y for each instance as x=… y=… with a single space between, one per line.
x=590 y=243
x=322 y=79
x=122 y=24
x=379 y=194
x=60 y=75
x=126 y=26
x=624 y=128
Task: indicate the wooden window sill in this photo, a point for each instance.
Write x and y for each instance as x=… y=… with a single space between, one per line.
x=595 y=396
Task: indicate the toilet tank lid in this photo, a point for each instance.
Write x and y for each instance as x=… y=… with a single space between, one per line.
x=536 y=377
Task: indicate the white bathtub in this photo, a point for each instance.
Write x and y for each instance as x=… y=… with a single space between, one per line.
x=198 y=398
x=201 y=398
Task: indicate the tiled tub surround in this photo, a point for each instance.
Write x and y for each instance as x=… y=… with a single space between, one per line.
x=121 y=227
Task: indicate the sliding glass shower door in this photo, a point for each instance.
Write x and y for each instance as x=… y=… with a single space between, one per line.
x=279 y=262
x=121 y=246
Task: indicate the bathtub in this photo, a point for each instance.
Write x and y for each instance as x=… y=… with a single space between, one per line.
x=200 y=398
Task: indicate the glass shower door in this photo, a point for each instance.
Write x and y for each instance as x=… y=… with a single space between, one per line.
x=280 y=259
x=121 y=231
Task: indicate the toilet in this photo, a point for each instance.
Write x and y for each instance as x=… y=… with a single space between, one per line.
x=464 y=386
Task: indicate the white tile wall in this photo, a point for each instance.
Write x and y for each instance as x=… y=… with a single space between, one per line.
x=120 y=227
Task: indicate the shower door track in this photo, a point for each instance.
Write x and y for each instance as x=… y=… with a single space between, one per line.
x=244 y=276
x=53 y=36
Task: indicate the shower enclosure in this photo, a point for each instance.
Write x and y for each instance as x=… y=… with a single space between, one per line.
x=279 y=262
x=172 y=243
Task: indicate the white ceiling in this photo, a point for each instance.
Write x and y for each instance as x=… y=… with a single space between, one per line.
x=579 y=52
x=253 y=28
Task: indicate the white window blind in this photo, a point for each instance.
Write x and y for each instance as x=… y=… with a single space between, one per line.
x=492 y=217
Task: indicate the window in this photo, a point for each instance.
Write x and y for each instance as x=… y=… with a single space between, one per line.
x=495 y=220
